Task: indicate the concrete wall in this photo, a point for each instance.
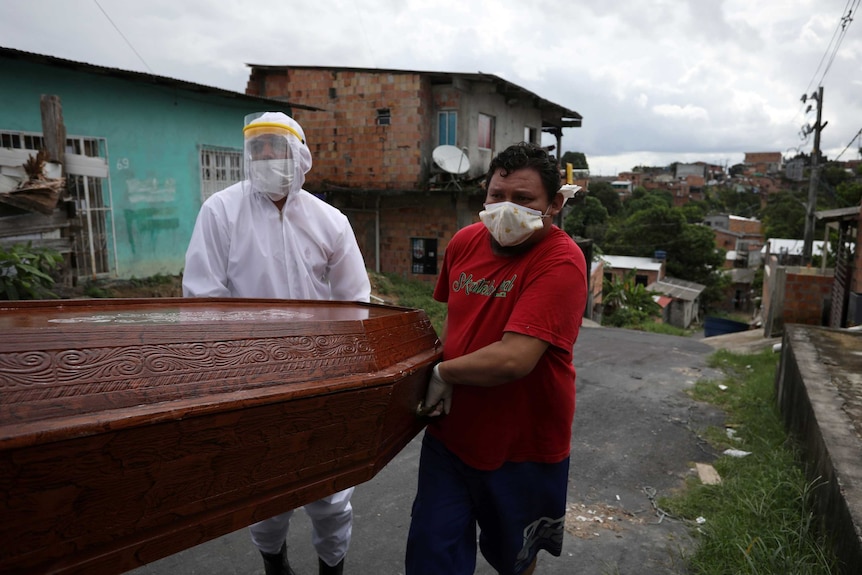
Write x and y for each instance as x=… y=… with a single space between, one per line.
x=815 y=408
x=153 y=133
x=682 y=313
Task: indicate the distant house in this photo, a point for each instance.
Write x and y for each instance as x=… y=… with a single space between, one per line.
x=739 y=296
x=623 y=188
x=762 y=163
x=374 y=142
x=681 y=171
x=741 y=236
x=646 y=270
x=142 y=153
x=680 y=302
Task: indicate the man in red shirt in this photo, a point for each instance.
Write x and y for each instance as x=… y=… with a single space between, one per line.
x=497 y=454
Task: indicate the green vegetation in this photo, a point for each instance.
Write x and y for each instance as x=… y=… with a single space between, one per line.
x=156 y=280
x=396 y=290
x=26 y=272
x=759 y=519
x=626 y=303
x=648 y=222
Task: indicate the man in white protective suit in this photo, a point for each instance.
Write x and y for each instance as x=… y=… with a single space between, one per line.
x=266 y=237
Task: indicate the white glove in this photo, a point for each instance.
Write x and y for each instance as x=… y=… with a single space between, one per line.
x=568 y=191
x=438 y=397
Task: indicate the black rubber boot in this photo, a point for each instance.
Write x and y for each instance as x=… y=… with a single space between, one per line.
x=276 y=564
x=325 y=569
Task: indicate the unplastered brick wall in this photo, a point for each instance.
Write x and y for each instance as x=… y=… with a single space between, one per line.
x=805 y=293
x=402 y=217
x=371 y=131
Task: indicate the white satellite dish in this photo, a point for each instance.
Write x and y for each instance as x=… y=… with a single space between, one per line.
x=451 y=159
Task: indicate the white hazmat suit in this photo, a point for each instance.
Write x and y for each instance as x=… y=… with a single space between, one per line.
x=244 y=246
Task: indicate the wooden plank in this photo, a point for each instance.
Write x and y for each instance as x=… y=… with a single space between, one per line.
x=75 y=164
x=53 y=129
x=32 y=223
x=62 y=245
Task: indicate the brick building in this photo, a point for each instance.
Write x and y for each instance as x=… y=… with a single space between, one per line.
x=762 y=163
x=744 y=236
x=373 y=145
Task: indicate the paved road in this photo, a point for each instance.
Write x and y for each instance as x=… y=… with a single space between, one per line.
x=636 y=433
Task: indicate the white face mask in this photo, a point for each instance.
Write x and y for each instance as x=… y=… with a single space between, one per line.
x=511 y=224
x=272 y=177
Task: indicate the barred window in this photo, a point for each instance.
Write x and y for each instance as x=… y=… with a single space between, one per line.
x=220 y=168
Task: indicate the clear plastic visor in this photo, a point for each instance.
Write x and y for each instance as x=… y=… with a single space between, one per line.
x=268 y=147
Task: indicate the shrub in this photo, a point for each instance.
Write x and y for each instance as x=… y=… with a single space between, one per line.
x=25 y=272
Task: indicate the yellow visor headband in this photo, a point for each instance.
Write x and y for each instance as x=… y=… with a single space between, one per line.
x=259 y=128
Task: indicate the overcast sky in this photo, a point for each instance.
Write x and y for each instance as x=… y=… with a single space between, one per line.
x=655 y=81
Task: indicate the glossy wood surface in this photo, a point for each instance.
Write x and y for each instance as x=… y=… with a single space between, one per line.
x=133 y=429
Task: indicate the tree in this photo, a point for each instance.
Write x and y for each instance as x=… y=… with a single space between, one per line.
x=608 y=196
x=700 y=262
x=656 y=227
x=834 y=174
x=588 y=216
x=849 y=193
x=577 y=159
x=736 y=170
x=739 y=203
x=784 y=216
x=643 y=199
x=689 y=248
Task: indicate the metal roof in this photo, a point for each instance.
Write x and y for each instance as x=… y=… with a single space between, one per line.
x=677 y=289
x=12 y=54
x=838 y=215
x=631 y=262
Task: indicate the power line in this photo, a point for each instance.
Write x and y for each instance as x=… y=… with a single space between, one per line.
x=123 y=37
x=853 y=139
x=844 y=23
x=364 y=35
x=828 y=47
x=832 y=49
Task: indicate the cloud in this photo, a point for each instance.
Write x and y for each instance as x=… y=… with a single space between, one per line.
x=676 y=112
x=655 y=80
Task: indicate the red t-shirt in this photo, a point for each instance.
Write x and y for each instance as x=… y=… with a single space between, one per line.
x=542 y=294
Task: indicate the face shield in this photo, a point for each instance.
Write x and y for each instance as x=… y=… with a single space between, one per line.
x=276 y=157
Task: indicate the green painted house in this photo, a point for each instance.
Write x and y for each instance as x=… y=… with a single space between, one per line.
x=142 y=153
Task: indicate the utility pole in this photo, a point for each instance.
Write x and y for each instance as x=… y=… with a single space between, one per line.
x=808 y=239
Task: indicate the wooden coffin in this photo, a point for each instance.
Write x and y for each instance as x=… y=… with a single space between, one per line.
x=132 y=429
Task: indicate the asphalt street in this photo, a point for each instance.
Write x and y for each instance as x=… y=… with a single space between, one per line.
x=636 y=436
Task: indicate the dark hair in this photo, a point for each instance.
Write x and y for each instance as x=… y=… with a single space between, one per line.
x=525 y=155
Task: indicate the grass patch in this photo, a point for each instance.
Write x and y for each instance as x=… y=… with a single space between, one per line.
x=663 y=328
x=759 y=520
x=410 y=293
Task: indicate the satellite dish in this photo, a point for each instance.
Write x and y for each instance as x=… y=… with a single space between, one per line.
x=451 y=159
